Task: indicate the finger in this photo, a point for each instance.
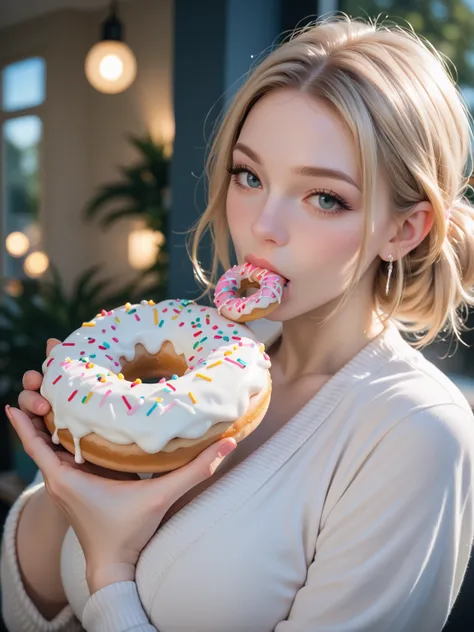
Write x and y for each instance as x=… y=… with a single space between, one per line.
x=32 y=403
x=202 y=467
x=51 y=343
x=34 y=445
x=32 y=380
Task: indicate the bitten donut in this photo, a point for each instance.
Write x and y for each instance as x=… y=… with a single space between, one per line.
x=217 y=384
x=230 y=287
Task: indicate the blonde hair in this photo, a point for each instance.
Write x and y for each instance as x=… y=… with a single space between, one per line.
x=407 y=118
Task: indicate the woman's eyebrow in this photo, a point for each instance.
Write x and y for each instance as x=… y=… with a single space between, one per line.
x=301 y=171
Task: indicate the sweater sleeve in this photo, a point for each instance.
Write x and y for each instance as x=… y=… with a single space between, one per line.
x=116 y=607
x=18 y=610
x=394 y=547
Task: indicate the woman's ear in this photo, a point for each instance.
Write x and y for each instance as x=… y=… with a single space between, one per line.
x=411 y=232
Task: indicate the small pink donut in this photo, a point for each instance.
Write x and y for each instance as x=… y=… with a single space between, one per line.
x=234 y=282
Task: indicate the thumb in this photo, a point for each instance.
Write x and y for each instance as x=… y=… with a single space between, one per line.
x=199 y=469
x=50 y=344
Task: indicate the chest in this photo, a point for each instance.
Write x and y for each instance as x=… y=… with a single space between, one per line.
x=284 y=405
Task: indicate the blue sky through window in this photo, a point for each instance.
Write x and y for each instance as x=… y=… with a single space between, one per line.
x=23 y=84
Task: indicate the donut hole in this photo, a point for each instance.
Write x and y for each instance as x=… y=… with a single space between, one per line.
x=247 y=288
x=151 y=368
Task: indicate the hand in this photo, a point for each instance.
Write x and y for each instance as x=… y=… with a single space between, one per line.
x=35 y=407
x=113 y=520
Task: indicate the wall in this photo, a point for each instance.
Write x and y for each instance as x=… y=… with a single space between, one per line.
x=85 y=130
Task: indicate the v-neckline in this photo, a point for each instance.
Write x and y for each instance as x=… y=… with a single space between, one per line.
x=234 y=487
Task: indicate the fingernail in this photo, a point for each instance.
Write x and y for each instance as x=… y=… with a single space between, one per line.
x=226 y=449
x=8 y=413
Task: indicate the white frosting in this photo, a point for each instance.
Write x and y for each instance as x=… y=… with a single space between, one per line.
x=87 y=395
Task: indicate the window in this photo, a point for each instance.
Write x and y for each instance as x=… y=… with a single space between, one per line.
x=23 y=91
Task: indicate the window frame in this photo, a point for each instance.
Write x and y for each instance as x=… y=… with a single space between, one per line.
x=36 y=110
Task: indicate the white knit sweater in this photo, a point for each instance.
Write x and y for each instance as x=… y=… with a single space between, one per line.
x=358 y=515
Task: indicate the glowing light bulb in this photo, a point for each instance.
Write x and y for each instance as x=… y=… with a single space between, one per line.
x=36 y=264
x=17 y=244
x=110 y=66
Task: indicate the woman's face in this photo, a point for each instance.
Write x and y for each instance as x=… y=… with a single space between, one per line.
x=294 y=199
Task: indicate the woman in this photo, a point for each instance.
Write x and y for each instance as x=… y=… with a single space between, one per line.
x=341 y=165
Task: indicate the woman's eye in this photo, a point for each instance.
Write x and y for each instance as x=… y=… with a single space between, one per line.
x=328 y=202
x=248 y=179
x=243 y=177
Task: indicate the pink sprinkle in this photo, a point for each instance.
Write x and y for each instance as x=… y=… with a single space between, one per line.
x=104 y=398
x=69 y=344
x=115 y=339
x=164 y=310
x=71 y=396
x=103 y=331
x=91 y=341
x=171 y=386
x=109 y=357
x=165 y=409
x=266 y=356
x=137 y=317
x=234 y=362
x=82 y=353
x=134 y=409
x=236 y=338
x=49 y=361
x=215 y=327
x=181 y=324
x=113 y=327
x=126 y=402
x=198 y=333
x=177 y=311
x=163 y=379
x=57 y=379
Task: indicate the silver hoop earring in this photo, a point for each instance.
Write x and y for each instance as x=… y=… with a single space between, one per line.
x=389 y=274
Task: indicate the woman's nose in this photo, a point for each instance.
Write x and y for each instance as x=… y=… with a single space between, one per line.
x=270 y=224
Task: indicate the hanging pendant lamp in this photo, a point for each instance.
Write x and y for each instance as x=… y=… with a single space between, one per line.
x=110 y=64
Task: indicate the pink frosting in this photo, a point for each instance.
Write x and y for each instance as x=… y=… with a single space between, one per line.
x=231 y=306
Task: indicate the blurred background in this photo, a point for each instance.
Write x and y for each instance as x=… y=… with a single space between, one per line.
x=105 y=112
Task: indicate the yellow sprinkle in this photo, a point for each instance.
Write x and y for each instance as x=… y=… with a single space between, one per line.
x=117 y=319
x=192 y=398
x=88 y=397
x=150 y=302
x=90 y=324
x=159 y=399
x=226 y=353
x=214 y=364
x=155 y=316
x=204 y=377
x=120 y=376
x=262 y=347
x=68 y=359
x=127 y=306
x=175 y=317
x=138 y=381
x=235 y=347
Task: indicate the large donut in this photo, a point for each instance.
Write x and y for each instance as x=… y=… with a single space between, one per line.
x=230 y=287
x=217 y=384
